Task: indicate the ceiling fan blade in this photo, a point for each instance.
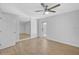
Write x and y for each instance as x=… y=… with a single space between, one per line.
x=54 y=6
x=43 y=5
x=38 y=10
x=52 y=11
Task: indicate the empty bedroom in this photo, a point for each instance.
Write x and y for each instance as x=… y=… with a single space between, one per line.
x=39 y=28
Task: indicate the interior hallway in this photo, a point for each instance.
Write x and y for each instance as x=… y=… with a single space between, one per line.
x=40 y=46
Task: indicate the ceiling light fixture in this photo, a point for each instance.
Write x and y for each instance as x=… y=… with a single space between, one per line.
x=46 y=12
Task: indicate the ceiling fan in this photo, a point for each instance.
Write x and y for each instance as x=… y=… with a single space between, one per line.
x=47 y=9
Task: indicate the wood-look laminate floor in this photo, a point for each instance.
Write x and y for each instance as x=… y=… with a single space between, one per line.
x=40 y=46
x=24 y=36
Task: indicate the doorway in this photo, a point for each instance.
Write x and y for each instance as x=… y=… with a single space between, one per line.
x=44 y=29
x=25 y=29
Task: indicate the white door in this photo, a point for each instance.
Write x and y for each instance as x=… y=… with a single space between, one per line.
x=7 y=33
x=4 y=34
x=33 y=28
x=44 y=27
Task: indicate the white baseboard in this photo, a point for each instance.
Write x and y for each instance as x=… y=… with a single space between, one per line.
x=24 y=33
x=75 y=45
x=23 y=39
x=7 y=45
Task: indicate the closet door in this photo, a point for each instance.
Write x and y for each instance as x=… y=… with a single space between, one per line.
x=12 y=29
x=7 y=32
x=4 y=34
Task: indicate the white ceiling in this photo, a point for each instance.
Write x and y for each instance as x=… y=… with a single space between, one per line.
x=26 y=10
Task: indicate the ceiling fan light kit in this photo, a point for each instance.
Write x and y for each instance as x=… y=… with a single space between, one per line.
x=46 y=12
x=46 y=9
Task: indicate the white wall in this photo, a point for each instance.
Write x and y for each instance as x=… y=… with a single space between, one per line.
x=63 y=28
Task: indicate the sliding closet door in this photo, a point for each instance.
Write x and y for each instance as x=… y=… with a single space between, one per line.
x=4 y=34
x=8 y=34
x=12 y=29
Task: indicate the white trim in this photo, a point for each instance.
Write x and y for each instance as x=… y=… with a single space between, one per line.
x=13 y=44
x=24 y=33
x=33 y=28
x=67 y=43
x=23 y=39
x=8 y=45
